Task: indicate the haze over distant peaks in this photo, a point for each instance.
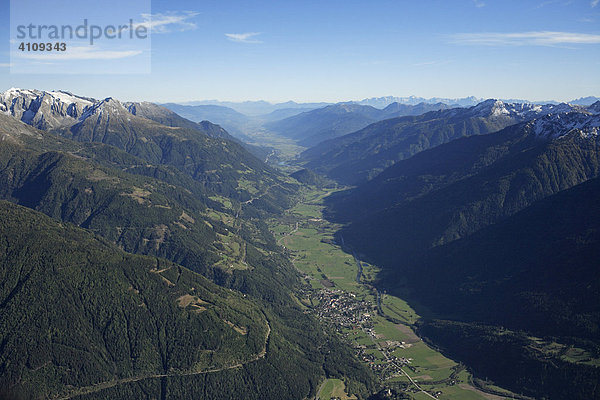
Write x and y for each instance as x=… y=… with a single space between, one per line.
x=382 y=102
x=586 y=101
x=315 y=126
x=255 y=108
x=262 y=108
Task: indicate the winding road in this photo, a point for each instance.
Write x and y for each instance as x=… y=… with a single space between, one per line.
x=116 y=382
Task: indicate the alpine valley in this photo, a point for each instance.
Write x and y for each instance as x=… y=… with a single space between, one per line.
x=401 y=248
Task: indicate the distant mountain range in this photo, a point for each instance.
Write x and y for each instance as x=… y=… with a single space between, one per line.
x=328 y=120
x=313 y=127
x=586 y=101
x=361 y=155
x=382 y=102
x=238 y=124
x=255 y=108
x=261 y=108
x=308 y=126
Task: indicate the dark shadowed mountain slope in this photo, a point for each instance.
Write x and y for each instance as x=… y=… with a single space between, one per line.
x=537 y=270
x=540 y=368
x=535 y=273
x=451 y=191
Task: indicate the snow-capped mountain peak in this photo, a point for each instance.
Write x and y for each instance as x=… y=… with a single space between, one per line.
x=44 y=110
x=108 y=105
x=492 y=108
x=499 y=108
x=59 y=110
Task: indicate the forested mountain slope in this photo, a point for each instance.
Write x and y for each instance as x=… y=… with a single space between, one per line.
x=77 y=311
x=203 y=151
x=154 y=209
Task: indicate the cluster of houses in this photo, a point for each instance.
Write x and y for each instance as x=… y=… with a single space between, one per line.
x=343 y=310
x=349 y=315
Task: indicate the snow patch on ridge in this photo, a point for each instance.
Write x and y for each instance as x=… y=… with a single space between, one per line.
x=69 y=98
x=498 y=108
x=554 y=126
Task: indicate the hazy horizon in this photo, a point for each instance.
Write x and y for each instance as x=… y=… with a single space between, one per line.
x=297 y=101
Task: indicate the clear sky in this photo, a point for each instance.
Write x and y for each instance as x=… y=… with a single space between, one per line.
x=332 y=50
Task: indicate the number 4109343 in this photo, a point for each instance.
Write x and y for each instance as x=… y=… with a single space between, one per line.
x=43 y=46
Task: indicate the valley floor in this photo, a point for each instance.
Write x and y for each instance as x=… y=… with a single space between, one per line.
x=376 y=325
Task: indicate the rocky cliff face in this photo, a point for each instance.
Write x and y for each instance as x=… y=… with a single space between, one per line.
x=44 y=110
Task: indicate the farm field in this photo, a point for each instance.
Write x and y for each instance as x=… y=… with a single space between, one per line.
x=333 y=388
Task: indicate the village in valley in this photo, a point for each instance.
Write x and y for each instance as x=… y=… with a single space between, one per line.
x=350 y=316
x=339 y=289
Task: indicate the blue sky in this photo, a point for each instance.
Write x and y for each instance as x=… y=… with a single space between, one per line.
x=345 y=50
